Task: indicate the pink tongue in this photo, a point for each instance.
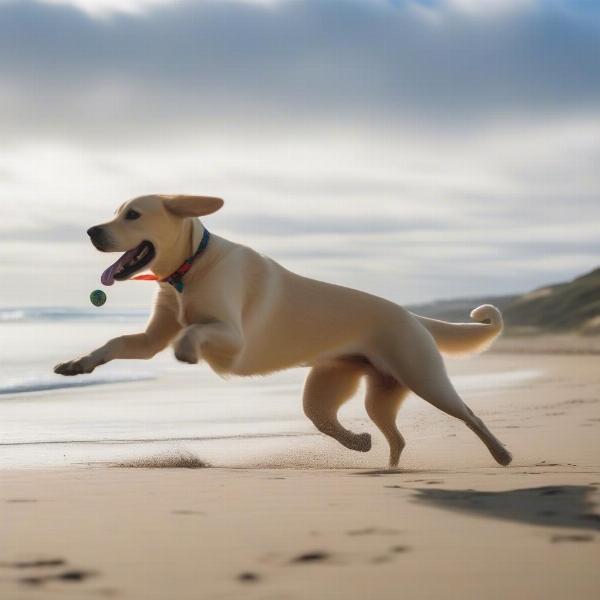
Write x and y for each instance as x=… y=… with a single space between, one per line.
x=108 y=277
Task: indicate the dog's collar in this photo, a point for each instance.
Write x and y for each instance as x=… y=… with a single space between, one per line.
x=176 y=278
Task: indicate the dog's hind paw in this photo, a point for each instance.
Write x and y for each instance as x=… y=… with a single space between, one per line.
x=503 y=457
x=361 y=442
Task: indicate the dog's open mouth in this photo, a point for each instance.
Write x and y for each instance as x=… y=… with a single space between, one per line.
x=131 y=262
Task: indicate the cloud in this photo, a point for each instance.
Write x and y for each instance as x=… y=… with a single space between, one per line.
x=198 y=68
x=104 y=8
x=416 y=149
x=107 y=8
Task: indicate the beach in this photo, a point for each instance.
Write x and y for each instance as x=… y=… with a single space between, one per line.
x=163 y=481
x=341 y=185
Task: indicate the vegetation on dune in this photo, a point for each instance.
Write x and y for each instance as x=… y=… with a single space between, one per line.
x=573 y=306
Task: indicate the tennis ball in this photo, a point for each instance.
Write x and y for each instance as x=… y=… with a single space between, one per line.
x=97 y=297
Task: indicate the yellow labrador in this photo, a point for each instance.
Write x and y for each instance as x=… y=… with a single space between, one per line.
x=244 y=314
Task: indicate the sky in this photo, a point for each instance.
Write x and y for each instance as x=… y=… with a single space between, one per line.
x=414 y=149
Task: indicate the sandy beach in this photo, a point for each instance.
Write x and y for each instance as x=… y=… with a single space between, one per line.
x=297 y=516
x=352 y=186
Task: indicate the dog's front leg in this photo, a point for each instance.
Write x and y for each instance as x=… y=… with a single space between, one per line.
x=216 y=340
x=161 y=329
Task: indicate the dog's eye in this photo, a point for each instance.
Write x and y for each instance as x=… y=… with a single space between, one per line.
x=131 y=215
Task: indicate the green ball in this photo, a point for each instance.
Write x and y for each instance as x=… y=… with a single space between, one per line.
x=98 y=297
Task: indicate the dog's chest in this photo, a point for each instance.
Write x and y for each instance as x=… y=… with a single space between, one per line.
x=182 y=315
x=195 y=304
x=181 y=318
x=188 y=312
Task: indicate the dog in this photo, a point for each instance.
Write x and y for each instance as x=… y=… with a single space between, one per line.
x=244 y=314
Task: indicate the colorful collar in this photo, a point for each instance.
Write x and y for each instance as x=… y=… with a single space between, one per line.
x=176 y=278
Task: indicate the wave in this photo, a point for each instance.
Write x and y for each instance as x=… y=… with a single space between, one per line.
x=65 y=313
x=45 y=383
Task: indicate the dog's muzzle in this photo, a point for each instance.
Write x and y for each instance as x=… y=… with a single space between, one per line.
x=98 y=237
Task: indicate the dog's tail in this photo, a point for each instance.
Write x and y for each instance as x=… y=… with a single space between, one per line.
x=466 y=338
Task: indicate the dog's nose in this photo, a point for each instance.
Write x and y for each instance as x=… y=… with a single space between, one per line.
x=94 y=232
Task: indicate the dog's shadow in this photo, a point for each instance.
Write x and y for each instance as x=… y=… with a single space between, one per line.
x=555 y=506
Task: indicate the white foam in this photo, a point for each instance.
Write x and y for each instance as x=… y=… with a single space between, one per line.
x=12 y=315
x=45 y=383
x=51 y=314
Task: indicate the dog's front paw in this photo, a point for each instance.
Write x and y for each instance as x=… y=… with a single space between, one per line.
x=74 y=367
x=185 y=350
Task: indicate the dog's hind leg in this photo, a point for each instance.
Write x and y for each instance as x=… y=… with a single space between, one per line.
x=497 y=450
x=415 y=360
x=327 y=387
x=383 y=400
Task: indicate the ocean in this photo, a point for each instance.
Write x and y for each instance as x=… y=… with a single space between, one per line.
x=129 y=409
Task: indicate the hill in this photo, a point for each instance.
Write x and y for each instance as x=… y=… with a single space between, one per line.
x=573 y=306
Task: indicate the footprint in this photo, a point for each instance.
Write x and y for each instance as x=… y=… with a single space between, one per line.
x=248 y=577
x=74 y=575
x=310 y=557
x=70 y=576
x=36 y=564
x=400 y=549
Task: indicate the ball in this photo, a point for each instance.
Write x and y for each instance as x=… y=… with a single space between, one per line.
x=97 y=297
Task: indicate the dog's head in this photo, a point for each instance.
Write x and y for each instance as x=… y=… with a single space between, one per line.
x=145 y=227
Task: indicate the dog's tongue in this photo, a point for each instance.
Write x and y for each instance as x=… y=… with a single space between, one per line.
x=108 y=277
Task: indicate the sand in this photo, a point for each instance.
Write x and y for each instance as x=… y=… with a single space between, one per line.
x=449 y=523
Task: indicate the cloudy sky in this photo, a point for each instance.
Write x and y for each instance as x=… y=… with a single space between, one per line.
x=417 y=149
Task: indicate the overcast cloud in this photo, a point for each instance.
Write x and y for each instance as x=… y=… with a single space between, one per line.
x=415 y=149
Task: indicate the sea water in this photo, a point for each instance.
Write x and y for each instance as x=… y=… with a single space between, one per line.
x=135 y=408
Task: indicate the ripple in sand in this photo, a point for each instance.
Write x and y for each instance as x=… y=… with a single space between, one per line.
x=182 y=460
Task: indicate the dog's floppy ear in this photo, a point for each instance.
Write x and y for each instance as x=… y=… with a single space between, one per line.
x=192 y=206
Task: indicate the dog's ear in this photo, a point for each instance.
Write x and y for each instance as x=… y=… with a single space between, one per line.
x=192 y=206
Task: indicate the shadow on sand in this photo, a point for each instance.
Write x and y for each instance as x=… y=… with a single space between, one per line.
x=554 y=506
